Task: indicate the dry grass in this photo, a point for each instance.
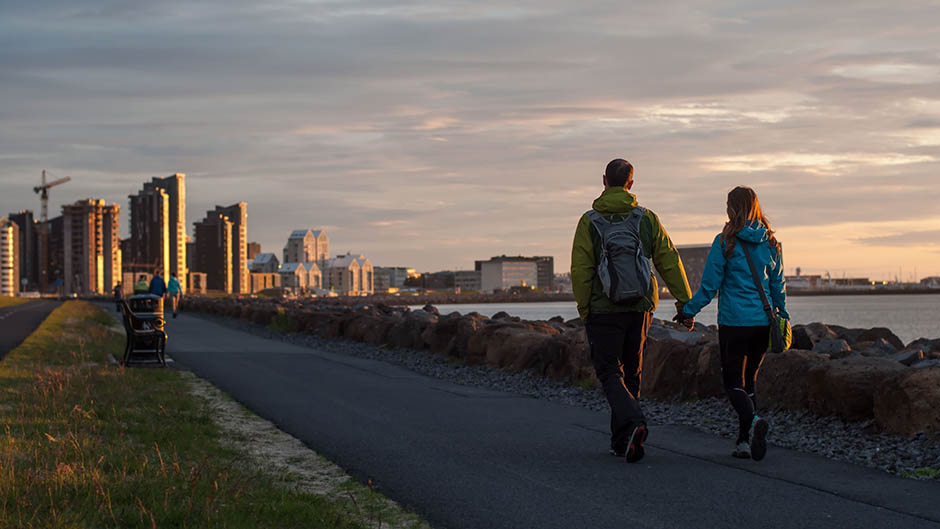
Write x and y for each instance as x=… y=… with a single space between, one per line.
x=84 y=443
x=7 y=301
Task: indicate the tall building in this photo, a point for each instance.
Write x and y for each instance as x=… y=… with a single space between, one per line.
x=502 y=273
x=253 y=250
x=54 y=268
x=213 y=251
x=158 y=227
x=237 y=214
x=9 y=257
x=29 y=248
x=305 y=246
x=92 y=247
x=544 y=265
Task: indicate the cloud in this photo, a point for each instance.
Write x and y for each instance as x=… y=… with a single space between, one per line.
x=473 y=126
x=911 y=238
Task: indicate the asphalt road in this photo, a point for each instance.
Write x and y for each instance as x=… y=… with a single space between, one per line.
x=470 y=458
x=19 y=321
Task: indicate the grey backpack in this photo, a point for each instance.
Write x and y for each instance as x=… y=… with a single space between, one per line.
x=623 y=269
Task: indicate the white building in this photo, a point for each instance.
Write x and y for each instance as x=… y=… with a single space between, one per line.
x=304 y=246
x=504 y=273
x=9 y=258
x=351 y=275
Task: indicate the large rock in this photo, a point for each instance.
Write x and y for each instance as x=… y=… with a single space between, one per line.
x=907 y=357
x=846 y=387
x=507 y=345
x=782 y=380
x=909 y=402
x=881 y=332
x=929 y=346
x=664 y=332
x=879 y=347
x=663 y=364
x=802 y=339
x=442 y=336
x=830 y=346
x=818 y=332
x=368 y=328
x=702 y=376
x=849 y=335
x=408 y=331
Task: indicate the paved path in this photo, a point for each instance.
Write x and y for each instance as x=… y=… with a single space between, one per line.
x=470 y=458
x=19 y=321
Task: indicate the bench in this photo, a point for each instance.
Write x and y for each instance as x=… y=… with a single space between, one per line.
x=146 y=340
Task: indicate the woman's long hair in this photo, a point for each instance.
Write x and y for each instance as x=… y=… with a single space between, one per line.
x=744 y=207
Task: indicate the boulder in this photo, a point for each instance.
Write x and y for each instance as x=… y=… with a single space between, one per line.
x=467 y=326
x=907 y=356
x=929 y=346
x=879 y=347
x=431 y=309
x=367 y=327
x=846 y=387
x=501 y=315
x=849 y=335
x=702 y=376
x=556 y=319
x=909 y=403
x=923 y=364
x=782 y=382
x=407 y=331
x=802 y=339
x=818 y=332
x=663 y=332
x=831 y=346
x=663 y=365
x=875 y=333
x=575 y=362
x=442 y=336
x=506 y=344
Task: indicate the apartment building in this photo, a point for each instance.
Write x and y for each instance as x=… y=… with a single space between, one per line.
x=9 y=257
x=264 y=263
x=213 y=251
x=544 y=265
x=238 y=215
x=351 y=275
x=92 y=247
x=29 y=248
x=503 y=273
x=304 y=246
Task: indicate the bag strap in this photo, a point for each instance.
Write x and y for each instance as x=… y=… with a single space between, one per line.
x=757 y=282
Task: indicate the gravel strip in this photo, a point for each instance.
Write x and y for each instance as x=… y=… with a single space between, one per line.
x=831 y=437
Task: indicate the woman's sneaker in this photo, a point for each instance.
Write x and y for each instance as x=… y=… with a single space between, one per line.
x=742 y=450
x=759 y=429
x=635 y=450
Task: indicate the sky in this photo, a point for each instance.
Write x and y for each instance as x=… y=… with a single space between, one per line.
x=431 y=134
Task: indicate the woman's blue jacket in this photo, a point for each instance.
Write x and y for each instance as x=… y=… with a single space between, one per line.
x=739 y=303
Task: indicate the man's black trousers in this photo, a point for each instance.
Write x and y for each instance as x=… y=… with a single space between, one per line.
x=616 y=340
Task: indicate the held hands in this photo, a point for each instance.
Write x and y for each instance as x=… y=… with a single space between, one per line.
x=684 y=320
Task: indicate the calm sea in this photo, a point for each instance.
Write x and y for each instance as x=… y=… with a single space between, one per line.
x=909 y=316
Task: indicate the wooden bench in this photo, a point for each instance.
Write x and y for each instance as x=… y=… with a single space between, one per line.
x=146 y=343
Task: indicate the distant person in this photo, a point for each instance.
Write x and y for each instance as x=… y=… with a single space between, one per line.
x=141 y=287
x=118 y=292
x=743 y=325
x=173 y=293
x=157 y=285
x=615 y=246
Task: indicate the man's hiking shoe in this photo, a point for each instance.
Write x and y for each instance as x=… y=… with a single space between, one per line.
x=759 y=429
x=635 y=450
x=742 y=450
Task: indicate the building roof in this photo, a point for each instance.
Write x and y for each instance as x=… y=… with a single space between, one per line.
x=289 y=268
x=262 y=258
x=298 y=234
x=345 y=261
x=309 y=266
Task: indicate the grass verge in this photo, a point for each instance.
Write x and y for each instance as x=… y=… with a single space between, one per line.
x=8 y=301
x=84 y=443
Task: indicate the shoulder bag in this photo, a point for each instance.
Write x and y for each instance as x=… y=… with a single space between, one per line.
x=781 y=335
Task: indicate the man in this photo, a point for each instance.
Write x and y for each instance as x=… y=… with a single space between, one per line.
x=118 y=292
x=157 y=285
x=617 y=331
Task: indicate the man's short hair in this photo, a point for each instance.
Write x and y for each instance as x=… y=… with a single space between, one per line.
x=619 y=173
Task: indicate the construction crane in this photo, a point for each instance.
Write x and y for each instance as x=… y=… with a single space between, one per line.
x=43 y=191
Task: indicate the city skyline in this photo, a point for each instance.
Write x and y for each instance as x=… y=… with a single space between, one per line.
x=492 y=139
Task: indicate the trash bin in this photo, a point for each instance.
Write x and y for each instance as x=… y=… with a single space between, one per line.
x=149 y=308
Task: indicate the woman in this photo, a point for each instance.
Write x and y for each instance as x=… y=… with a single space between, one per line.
x=743 y=326
x=174 y=291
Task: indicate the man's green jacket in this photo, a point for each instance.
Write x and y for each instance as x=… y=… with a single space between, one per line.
x=615 y=204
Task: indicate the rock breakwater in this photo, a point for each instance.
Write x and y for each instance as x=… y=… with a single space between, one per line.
x=853 y=374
